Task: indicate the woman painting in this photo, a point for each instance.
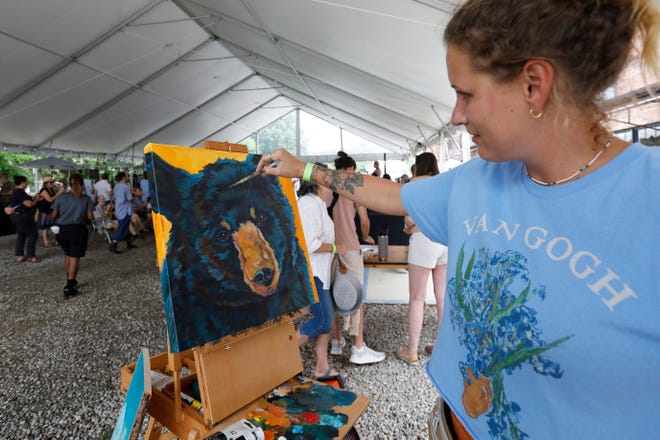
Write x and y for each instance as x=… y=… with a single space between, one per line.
x=551 y=318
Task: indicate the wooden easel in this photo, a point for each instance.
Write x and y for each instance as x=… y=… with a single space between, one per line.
x=225 y=146
x=232 y=373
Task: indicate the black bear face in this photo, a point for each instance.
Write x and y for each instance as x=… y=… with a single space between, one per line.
x=251 y=234
x=233 y=259
x=237 y=237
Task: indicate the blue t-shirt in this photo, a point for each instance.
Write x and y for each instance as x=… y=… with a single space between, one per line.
x=144 y=187
x=551 y=326
x=123 y=199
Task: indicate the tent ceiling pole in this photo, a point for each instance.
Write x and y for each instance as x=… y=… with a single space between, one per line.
x=287 y=71
x=284 y=70
x=357 y=129
x=233 y=57
x=297 y=131
x=426 y=141
x=389 y=130
x=176 y=20
x=235 y=121
x=288 y=95
x=277 y=44
x=345 y=66
x=443 y=127
x=256 y=89
x=359 y=157
x=447 y=9
x=133 y=88
x=335 y=120
x=370 y=76
x=197 y=109
x=72 y=58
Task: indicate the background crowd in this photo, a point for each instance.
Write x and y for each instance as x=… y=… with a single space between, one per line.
x=63 y=214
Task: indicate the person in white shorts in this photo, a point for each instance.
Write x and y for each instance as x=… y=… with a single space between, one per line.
x=425 y=258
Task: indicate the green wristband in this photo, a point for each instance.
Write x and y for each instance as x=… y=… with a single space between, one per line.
x=307 y=174
x=334 y=248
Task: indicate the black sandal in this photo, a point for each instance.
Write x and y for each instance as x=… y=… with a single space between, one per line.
x=329 y=377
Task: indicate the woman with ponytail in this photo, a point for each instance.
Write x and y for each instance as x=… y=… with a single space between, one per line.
x=71 y=211
x=550 y=327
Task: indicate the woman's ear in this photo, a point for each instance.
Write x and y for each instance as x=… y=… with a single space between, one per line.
x=537 y=77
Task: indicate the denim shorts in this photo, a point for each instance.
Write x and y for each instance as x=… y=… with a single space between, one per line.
x=322 y=314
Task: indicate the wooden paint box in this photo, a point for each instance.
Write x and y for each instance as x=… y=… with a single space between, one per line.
x=231 y=374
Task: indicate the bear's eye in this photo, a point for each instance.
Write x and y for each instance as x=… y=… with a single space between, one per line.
x=262 y=219
x=223 y=236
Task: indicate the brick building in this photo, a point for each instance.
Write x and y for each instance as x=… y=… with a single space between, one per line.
x=633 y=108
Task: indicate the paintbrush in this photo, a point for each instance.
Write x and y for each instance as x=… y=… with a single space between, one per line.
x=273 y=164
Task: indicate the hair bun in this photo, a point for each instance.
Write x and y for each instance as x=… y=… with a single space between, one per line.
x=342 y=154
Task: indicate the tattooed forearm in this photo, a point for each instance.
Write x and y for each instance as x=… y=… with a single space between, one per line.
x=340 y=180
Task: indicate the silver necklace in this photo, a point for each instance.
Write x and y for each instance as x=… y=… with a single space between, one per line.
x=575 y=174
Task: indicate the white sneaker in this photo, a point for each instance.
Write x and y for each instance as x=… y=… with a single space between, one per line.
x=336 y=346
x=365 y=355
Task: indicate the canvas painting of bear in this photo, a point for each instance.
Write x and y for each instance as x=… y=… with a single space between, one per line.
x=231 y=258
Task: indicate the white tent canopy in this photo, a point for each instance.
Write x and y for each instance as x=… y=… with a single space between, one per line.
x=107 y=77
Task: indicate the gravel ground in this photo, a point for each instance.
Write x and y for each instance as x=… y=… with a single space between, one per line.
x=59 y=378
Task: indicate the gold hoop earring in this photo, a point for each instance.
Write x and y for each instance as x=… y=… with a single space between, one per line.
x=535 y=115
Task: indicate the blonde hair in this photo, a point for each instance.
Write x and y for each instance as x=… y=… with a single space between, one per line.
x=588 y=42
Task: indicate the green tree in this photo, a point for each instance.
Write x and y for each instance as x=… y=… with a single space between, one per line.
x=8 y=163
x=281 y=133
x=650 y=141
x=251 y=143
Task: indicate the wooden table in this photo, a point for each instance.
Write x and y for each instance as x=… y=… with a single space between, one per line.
x=397 y=258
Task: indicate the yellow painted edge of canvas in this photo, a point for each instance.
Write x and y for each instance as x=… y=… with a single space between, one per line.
x=290 y=192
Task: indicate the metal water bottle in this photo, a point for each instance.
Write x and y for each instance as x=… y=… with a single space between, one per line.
x=383 y=243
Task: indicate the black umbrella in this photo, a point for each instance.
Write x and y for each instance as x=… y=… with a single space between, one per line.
x=53 y=163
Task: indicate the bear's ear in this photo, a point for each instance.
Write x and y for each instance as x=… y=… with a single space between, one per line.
x=253 y=159
x=166 y=185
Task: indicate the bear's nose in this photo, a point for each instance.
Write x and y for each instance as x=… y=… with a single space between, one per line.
x=264 y=276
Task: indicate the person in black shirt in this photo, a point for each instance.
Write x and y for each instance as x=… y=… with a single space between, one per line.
x=22 y=208
x=47 y=195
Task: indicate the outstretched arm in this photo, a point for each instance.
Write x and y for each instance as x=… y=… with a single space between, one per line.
x=372 y=192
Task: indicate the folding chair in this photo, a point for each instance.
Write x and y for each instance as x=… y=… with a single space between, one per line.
x=98 y=226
